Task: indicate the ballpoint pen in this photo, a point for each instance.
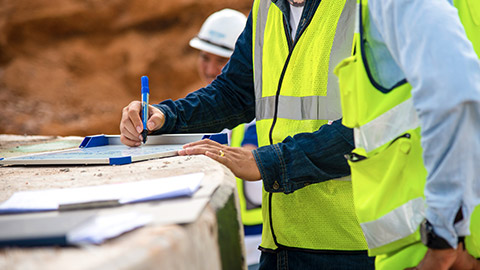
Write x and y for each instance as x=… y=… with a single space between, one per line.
x=145 y=95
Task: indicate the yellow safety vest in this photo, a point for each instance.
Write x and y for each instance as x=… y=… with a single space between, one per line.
x=388 y=174
x=250 y=216
x=296 y=91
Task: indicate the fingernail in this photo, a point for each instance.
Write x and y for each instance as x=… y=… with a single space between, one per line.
x=181 y=152
x=150 y=125
x=138 y=144
x=139 y=129
x=140 y=137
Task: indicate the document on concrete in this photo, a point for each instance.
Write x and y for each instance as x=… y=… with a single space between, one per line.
x=66 y=228
x=107 y=149
x=102 y=195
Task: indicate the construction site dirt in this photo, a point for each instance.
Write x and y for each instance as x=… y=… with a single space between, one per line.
x=69 y=67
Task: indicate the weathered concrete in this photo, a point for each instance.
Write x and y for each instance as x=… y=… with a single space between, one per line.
x=156 y=246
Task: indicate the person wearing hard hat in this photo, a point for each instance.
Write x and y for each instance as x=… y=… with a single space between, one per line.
x=215 y=42
x=281 y=74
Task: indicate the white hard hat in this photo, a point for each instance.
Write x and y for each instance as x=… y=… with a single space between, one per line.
x=220 y=32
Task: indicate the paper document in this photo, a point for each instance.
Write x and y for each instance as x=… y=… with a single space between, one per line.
x=105 y=227
x=53 y=199
x=66 y=228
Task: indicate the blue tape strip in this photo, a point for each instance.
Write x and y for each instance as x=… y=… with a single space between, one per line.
x=120 y=160
x=221 y=138
x=92 y=141
x=252 y=229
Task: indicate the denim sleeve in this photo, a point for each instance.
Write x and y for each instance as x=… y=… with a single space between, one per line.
x=305 y=158
x=225 y=103
x=441 y=65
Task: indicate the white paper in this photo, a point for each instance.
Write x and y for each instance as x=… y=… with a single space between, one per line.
x=156 y=189
x=105 y=227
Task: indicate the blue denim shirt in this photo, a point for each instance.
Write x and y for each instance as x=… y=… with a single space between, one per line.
x=303 y=159
x=439 y=62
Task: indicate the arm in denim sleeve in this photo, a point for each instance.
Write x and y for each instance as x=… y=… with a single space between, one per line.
x=228 y=101
x=305 y=158
x=440 y=63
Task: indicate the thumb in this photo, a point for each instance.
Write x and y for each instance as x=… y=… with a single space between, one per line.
x=156 y=120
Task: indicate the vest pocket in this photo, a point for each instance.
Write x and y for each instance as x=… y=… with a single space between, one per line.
x=386 y=181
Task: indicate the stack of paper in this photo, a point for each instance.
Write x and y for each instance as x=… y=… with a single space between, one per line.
x=66 y=228
x=85 y=197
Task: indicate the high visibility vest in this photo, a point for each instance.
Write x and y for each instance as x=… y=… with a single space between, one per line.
x=296 y=91
x=388 y=174
x=251 y=215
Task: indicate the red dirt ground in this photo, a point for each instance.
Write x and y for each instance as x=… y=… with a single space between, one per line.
x=68 y=67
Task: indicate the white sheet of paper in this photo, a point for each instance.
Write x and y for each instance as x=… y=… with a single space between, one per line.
x=156 y=189
x=105 y=227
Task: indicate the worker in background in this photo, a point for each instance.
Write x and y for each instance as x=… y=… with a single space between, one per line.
x=215 y=42
x=281 y=73
x=412 y=92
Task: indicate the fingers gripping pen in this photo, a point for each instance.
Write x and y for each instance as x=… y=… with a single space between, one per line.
x=145 y=96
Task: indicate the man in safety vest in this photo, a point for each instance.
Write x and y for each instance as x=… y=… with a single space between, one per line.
x=411 y=91
x=281 y=73
x=215 y=42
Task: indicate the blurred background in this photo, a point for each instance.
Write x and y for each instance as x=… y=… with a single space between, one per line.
x=68 y=67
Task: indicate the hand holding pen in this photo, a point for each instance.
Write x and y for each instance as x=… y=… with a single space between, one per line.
x=134 y=126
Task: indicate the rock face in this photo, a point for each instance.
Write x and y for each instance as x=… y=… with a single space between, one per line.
x=68 y=67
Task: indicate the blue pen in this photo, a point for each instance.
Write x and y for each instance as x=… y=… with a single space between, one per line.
x=145 y=95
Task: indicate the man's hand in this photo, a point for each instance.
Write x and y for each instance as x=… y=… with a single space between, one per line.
x=239 y=160
x=447 y=259
x=131 y=125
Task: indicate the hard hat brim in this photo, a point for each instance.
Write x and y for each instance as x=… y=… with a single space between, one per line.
x=204 y=46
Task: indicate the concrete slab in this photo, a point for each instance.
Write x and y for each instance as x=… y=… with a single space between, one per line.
x=164 y=244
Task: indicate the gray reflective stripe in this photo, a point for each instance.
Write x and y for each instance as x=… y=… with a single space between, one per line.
x=311 y=107
x=258 y=54
x=387 y=126
x=295 y=108
x=398 y=224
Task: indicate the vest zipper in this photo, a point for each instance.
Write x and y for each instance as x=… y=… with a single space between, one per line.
x=354 y=157
x=280 y=81
x=277 y=94
x=291 y=46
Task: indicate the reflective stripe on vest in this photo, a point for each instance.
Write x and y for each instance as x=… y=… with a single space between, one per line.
x=387 y=126
x=397 y=224
x=297 y=92
x=311 y=108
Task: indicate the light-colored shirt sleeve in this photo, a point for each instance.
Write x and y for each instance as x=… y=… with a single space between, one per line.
x=427 y=43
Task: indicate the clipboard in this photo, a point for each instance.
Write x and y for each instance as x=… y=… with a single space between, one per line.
x=108 y=150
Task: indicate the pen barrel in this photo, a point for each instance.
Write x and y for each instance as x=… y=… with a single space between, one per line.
x=145 y=97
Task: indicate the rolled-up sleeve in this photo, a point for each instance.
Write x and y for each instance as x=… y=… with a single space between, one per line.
x=428 y=42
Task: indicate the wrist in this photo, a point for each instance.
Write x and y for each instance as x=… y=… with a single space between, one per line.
x=431 y=239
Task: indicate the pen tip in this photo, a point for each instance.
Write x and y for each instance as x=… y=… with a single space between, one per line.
x=144 y=135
